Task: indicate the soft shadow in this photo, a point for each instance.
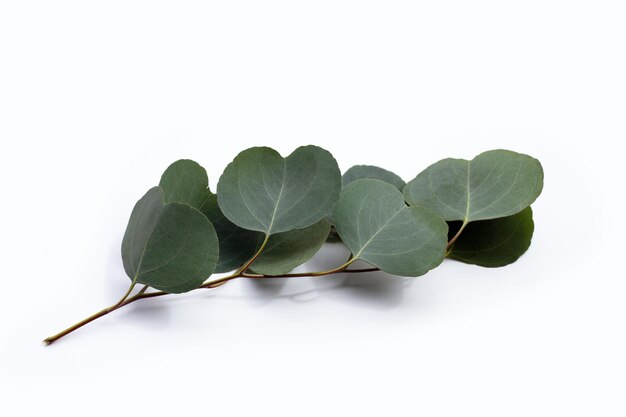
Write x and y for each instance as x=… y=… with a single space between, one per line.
x=155 y=313
x=264 y=291
x=377 y=290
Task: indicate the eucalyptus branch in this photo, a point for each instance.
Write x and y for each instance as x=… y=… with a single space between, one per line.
x=179 y=234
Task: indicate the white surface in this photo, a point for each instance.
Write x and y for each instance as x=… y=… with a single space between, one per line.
x=97 y=98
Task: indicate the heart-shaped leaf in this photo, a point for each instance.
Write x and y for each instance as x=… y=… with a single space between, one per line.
x=171 y=247
x=373 y=172
x=260 y=190
x=497 y=242
x=185 y=181
x=495 y=184
x=378 y=227
x=287 y=250
x=237 y=245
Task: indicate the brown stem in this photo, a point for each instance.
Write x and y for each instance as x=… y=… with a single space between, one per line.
x=458 y=234
x=312 y=274
x=208 y=285
x=103 y=312
x=245 y=266
x=221 y=281
x=240 y=273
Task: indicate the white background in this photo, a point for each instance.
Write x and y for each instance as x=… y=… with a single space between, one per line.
x=97 y=98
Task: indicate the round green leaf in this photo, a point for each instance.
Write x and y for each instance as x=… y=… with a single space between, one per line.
x=377 y=226
x=237 y=245
x=497 y=242
x=260 y=190
x=185 y=181
x=287 y=250
x=495 y=184
x=373 y=172
x=171 y=247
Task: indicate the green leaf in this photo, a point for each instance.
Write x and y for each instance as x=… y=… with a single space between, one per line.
x=495 y=184
x=171 y=247
x=260 y=190
x=377 y=226
x=185 y=181
x=287 y=250
x=237 y=245
x=494 y=243
x=373 y=172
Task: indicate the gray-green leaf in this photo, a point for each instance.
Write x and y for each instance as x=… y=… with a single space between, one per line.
x=497 y=242
x=377 y=226
x=287 y=250
x=185 y=181
x=237 y=245
x=495 y=184
x=260 y=190
x=369 y=171
x=171 y=247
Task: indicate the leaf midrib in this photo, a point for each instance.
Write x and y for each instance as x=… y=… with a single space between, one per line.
x=469 y=193
x=378 y=232
x=280 y=194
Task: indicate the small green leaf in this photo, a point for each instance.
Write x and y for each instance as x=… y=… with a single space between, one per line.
x=377 y=226
x=260 y=190
x=369 y=171
x=185 y=181
x=237 y=245
x=287 y=250
x=497 y=242
x=171 y=247
x=495 y=184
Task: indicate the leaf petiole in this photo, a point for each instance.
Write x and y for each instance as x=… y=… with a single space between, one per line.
x=95 y=316
x=456 y=236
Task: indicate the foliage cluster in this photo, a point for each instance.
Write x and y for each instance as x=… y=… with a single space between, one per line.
x=271 y=214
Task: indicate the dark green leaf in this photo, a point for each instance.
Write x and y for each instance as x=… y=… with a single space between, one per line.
x=185 y=182
x=171 y=247
x=497 y=242
x=260 y=190
x=237 y=245
x=373 y=172
x=377 y=226
x=287 y=250
x=494 y=184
